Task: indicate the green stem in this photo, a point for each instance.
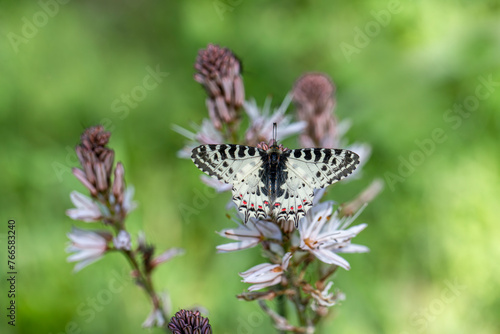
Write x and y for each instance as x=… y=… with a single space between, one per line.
x=146 y=283
x=117 y=221
x=281 y=309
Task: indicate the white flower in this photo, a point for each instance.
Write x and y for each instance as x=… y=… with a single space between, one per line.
x=88 y=246
x=265 y=274
x=324 y=234
x=86 y=209
x=122 y=240
x=166 y=256
x=249 y=235
x=325 y=298
x=261 y=122
x=318 y=194
x=206 y=134
x=155 y=317
x=128 y=204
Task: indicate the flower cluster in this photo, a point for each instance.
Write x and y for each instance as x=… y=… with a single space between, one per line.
x=218 y=71
x=301 y=261
x=189 y=322
x=110 y=202
x=313 y=95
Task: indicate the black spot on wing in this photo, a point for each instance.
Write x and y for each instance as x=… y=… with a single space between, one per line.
x=317 y=154
x=251 y=151
x=328 y=155
x=223 y=154
x=287 y=194
x=296 y=154
x=241 y=152
x=231 y=151
x=307 y=154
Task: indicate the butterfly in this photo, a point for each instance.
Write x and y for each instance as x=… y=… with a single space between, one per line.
x=271 y=180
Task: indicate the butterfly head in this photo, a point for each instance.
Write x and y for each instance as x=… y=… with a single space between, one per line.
x=273 y=151
x=272 y=146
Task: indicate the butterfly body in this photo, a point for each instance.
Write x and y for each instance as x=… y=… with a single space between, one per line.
x=274 y=181
x=273 y=172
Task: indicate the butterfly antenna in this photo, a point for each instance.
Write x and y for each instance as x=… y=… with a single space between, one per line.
x=275 y=134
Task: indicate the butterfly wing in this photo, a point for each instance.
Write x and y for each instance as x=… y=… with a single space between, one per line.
x=306 y=170
x=237 y=165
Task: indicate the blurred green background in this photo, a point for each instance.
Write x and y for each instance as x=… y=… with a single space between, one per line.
x=399 y=67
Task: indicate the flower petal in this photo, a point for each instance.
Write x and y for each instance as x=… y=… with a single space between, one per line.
x=259 y=286
x=353 y=248
x=328 y=256
x=236 y=246
x=86 y=246
x=167 y=255
x=128 y=204
x=86 y=209
x=122 y=240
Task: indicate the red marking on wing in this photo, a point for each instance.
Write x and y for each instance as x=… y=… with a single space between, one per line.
x=303 y=201
x=284 y=209
x=299 y=207
x=260 y=206
x=277 y=204
x=251 y=205
x=291 y=208
x=245 y=202
x=266 y=202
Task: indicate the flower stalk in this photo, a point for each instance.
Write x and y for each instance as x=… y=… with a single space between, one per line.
x=110 y=202
x=300 y=262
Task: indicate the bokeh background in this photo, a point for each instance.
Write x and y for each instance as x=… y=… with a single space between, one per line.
x=399 y=66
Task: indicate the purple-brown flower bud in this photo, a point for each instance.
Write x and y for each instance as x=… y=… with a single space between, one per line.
x=96 y=160
x=119 y=183
x=189 y=322
x=313 y=95
x=218 y=71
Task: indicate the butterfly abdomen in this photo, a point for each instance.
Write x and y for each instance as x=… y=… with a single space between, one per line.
x=273 y=174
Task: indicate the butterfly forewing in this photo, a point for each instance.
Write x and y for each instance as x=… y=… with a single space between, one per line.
x=228 y=163
x=322 y=166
